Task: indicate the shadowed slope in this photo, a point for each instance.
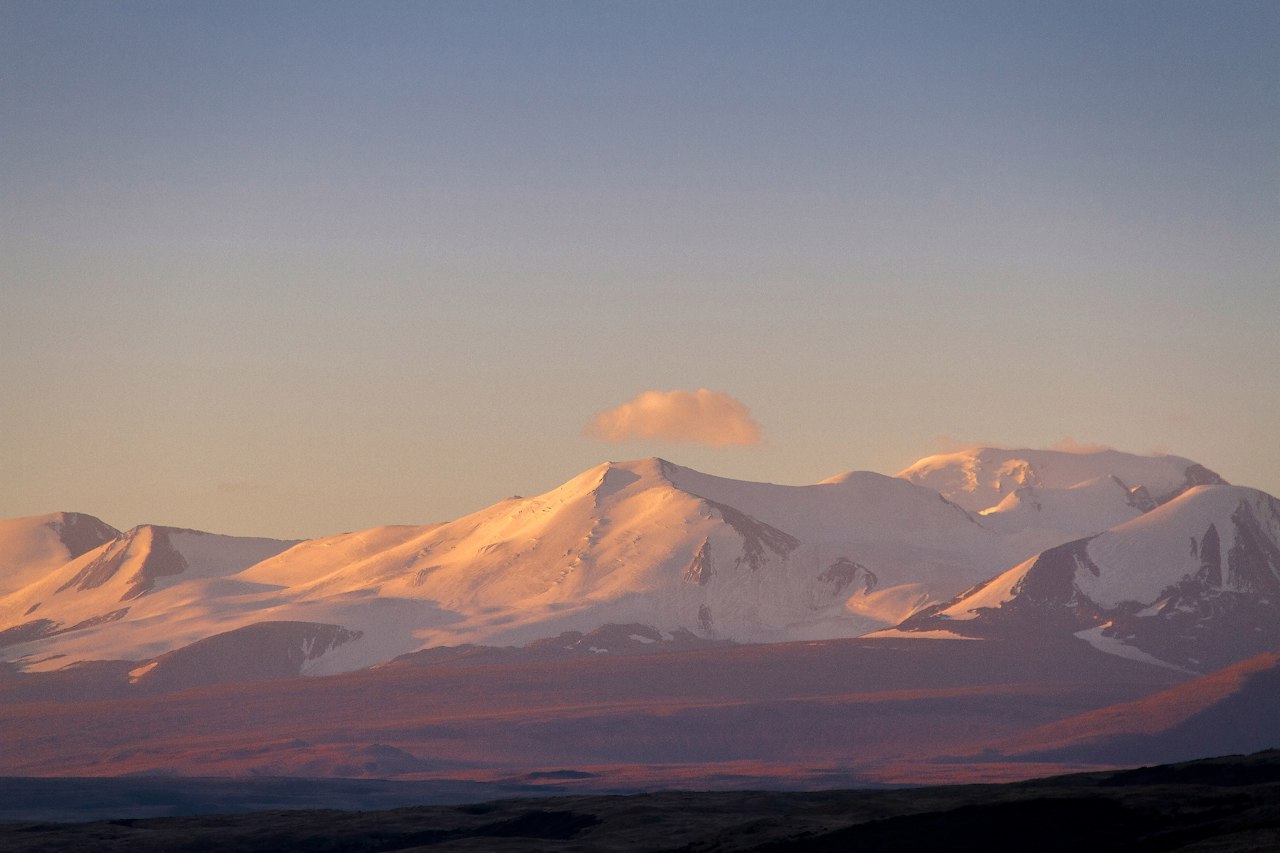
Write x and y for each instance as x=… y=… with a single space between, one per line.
x=1234 y=710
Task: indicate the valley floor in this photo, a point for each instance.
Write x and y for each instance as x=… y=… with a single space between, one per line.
x=1225 y=804
x=823 y=714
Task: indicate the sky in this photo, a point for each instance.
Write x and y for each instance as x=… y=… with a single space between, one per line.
x=291 y=269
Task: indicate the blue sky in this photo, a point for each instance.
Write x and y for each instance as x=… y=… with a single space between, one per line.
x=298 y=268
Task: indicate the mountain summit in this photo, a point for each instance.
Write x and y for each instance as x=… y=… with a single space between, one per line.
x=984 y=478
x=32 y=547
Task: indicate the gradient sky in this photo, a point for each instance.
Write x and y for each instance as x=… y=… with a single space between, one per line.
x=292 y=269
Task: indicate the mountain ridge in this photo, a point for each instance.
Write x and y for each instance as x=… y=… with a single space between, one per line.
x=645 y=542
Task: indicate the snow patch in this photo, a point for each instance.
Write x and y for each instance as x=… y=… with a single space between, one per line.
x=1118 y=648
x=895 y=634
x=136 y=674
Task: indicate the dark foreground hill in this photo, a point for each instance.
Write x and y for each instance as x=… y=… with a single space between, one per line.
x=1220 y=804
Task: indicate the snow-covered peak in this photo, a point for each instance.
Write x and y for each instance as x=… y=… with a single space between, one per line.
x=136 y=563
x=606 y=480
x=34 y=546
x=1219 y=526
x=1079 y=510
x=981 y=478
x=1136 y=562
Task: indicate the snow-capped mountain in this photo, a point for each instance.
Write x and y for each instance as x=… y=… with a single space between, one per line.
x=32 y=547
x=642 y=542
x=1194 y=583
x=162 y=586
x=1016 y=489
x=638 y=543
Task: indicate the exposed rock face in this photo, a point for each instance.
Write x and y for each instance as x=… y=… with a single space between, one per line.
x=623 y=640
x=1196 y=475
x=700 y=569
x=758 y=538
x=844 y=573
x=1139 y=498
x=82 y=533
x=26 y=632
x=39 y=629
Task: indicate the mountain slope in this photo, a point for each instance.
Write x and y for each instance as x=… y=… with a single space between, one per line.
x=1194 y=583
x=1233 y=710
x=652 y=543
x=122 y=581
x=257 y=652
x=32 y=547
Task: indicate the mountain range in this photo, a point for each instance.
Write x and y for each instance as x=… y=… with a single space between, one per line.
x=1150 y=556
x=989 y=614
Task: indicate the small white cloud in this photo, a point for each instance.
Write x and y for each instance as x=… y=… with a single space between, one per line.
x=713 y=418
